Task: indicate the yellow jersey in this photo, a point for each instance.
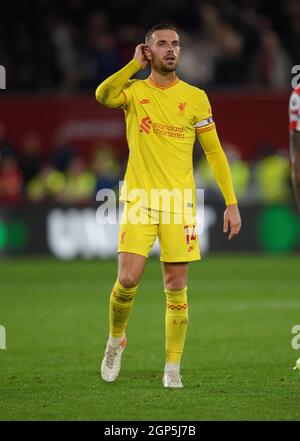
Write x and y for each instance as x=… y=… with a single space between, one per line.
x=161 y=127
x=160 y=130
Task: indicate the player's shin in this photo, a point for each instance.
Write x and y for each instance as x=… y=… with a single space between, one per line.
x=176 y=326
x=121 y=302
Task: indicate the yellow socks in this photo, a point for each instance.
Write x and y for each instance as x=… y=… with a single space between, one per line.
x=121 y=302
x=176 y=326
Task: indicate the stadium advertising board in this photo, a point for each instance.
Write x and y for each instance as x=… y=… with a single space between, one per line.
x=73 y=232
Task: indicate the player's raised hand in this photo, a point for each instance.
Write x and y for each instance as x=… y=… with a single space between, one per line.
x=232 y=221
x=140 y=55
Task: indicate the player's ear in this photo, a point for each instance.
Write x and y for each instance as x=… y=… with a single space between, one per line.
x=147 y=53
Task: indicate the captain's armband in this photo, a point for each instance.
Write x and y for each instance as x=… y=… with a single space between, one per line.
x=205 y=125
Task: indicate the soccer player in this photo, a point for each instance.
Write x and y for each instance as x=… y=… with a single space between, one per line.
x=294 y=116
x=163 y=116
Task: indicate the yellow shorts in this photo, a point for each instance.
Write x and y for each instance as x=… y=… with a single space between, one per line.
x=178 y=241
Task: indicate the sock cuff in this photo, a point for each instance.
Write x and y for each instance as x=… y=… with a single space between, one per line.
x=125 y=291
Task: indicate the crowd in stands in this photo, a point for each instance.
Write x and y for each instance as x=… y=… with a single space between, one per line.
x=64 y=177
x=72 y=45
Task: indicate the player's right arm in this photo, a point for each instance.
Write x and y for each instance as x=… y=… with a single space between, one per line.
x=294 y=116
x=110 y=92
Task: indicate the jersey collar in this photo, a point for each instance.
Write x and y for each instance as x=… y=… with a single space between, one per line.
x=159 y=86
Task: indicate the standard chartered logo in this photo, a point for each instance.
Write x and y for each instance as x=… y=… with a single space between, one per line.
x=161 y=129
x=2 y=337
x=168 y=130
x=145 y=125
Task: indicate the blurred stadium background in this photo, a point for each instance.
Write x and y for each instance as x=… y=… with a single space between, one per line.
x=58 y=147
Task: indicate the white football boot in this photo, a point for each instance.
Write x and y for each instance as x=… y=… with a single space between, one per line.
x=172 y=378
x=111 y=363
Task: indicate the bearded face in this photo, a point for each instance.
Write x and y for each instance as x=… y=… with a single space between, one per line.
x=163 y=50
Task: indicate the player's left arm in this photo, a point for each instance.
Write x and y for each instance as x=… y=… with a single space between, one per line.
x=209 y=140
x=295 y=163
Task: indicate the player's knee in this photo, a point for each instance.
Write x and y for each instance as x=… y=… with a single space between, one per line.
x=128 y=280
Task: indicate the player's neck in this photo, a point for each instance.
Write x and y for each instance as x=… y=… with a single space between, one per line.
x=163 y=79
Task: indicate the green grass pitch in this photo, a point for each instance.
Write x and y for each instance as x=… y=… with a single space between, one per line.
x=238 y=357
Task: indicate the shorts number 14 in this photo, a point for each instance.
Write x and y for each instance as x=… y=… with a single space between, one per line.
x=190 y=233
